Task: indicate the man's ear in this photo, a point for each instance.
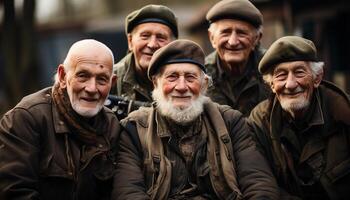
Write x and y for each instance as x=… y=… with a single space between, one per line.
x=257 y=39
x=318 y=79
x=272 y=86
x=154 y=81
x=62 y=76
x=206 y=83
x=114 y=79
x=130 y=46
x=211 y=38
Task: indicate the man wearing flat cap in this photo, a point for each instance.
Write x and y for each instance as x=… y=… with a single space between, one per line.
x=147 y=29
x=235 y=32
x=186 y=146
x=304 y=128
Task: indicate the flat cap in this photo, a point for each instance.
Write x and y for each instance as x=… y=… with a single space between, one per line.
x=235 y=9
x=178 y=51
x=286 y=49
x=152 y=13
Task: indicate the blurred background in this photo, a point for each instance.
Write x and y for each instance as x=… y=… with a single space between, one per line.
x=35 y=34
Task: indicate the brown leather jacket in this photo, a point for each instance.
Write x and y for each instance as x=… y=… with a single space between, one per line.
x=311 y=161
x=36 y=147
x=255 y=180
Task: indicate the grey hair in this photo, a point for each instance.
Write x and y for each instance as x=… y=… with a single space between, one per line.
x=316 y=68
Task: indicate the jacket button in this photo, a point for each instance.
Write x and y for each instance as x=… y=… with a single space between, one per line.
x=100 y=145
x=61 y=122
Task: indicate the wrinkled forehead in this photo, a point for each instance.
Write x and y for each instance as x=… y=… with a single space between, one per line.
x=90 y=52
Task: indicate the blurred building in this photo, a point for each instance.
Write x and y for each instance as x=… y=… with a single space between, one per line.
x=56 y=24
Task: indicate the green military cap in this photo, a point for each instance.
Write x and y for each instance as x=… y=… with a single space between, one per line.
x=178 y=51
x=286 y=49
x=235 y=9
x=152 y=13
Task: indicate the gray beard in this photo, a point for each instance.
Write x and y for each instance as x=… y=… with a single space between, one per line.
x=182 y=116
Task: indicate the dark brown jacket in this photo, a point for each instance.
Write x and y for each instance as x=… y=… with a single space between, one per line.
x=247 y=91
x=254 y=178
x=316 y=157
x=36 y=147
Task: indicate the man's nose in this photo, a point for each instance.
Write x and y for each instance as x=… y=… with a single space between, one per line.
x=233 y=39
x=291 y=82
x=91 y=86
x=181 y=85
x=153 y=43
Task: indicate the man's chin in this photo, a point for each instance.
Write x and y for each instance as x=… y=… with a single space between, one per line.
x=87 y=111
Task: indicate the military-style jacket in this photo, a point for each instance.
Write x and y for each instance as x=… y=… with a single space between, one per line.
x=311 y=158
x=39 y=158
x=250 y=89
x=126 y=84
x=137 y=180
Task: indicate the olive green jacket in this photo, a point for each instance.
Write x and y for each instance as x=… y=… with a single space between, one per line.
x=322 y=146
x=149 y=168
x=250 y=88
x=126 y=84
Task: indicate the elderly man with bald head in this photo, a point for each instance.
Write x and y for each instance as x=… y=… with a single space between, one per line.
x=59 y=143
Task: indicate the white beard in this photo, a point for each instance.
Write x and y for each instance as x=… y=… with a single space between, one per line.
x=181 y=116
x=294 y=105
x=85 y=112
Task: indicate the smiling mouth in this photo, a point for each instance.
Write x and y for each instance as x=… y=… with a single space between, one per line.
x=89 y=99
x=293 y=94
x=181 y=97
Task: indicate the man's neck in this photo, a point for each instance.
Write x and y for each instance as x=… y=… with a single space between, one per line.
x=234 y=69
x=142 y=77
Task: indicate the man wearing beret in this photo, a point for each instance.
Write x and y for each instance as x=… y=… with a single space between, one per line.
x=304 y=129
x=235 y=32
x=147 y=29
x=186 y=146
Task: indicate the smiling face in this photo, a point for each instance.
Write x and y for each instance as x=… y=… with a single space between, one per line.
x=145 y=39
x=87 y=78
x=233 y=40
x=181 y=83
x=179 y=92
x=293 y=83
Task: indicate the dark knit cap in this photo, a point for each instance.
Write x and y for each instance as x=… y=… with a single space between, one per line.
x=152 y=13
x=235 y=9
x=286 y=49
x=178 y=51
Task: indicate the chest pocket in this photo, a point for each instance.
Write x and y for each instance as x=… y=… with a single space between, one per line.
x=338 y=156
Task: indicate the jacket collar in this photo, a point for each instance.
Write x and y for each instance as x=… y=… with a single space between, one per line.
x=277 y=118
x=130 y=73
x=59 y=125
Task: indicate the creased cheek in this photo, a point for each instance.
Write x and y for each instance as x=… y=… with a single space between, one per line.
x=167 y=88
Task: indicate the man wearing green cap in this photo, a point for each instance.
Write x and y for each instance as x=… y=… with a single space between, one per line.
x=304 y=128
x=186 y=146
x=235 y=32
x=147 y=29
